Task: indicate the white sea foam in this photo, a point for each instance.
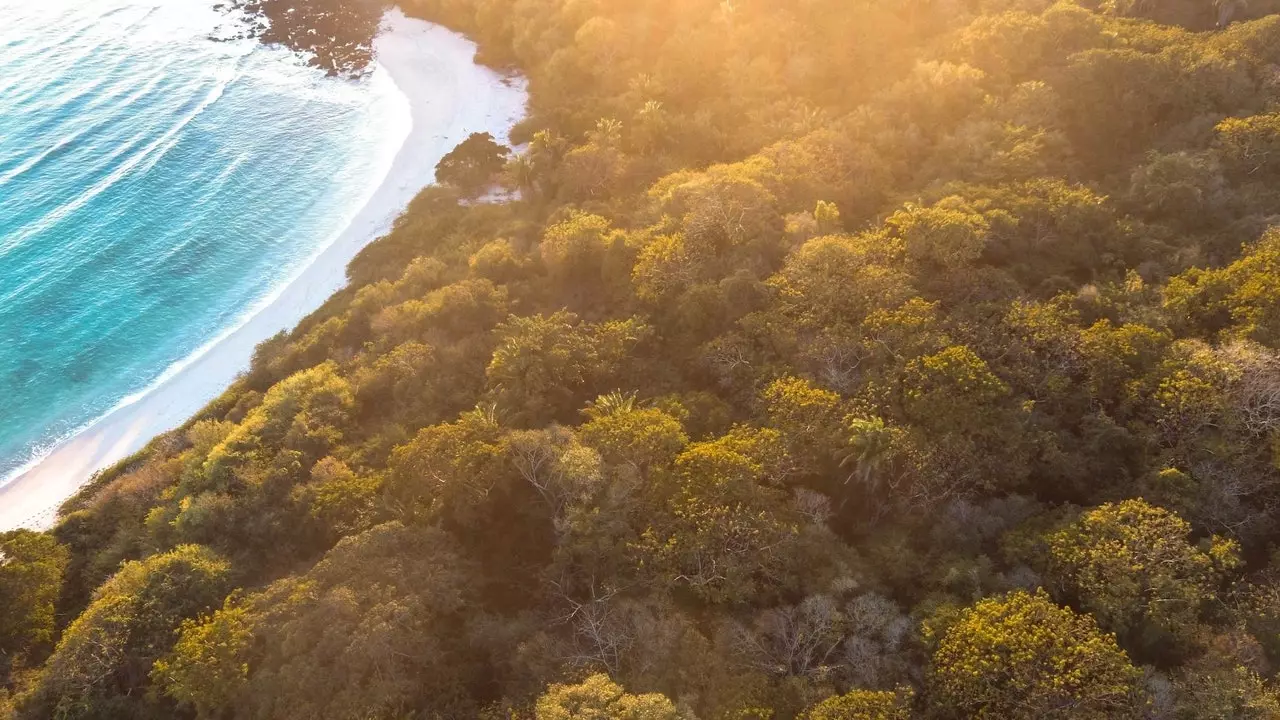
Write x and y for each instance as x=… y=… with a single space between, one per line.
x=430 y=81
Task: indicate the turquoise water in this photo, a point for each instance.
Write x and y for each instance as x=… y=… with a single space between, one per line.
x=155 y=185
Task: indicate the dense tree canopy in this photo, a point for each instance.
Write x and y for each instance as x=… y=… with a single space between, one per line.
x=31 y=575
x=822 y=359
x=101 y=665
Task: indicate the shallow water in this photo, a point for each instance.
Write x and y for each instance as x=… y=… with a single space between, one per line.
x=156 y=185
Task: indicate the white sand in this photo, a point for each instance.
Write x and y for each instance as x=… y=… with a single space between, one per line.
x=449 y=97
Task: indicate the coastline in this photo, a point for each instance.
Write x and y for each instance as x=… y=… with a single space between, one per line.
x=449 y=97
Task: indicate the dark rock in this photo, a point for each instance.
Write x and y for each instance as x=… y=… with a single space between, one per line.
x=335 y=35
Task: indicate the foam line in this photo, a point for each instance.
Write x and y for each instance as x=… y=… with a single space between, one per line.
x=443 y=96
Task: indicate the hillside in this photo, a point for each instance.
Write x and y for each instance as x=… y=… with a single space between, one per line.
x=828 y=359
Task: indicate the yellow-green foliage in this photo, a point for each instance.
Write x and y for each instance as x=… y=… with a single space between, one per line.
x=1251 y=144
x=105 y=656
x=208 y=666
x=375 y=612
x=304 y=412
x=864 y=705
x=1132 y=563
x=644 y=438
x=800 y=322
x=31 y=575
x=1020 y=657
x=599 y=698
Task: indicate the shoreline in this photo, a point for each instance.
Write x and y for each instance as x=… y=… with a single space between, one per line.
x=449 y=97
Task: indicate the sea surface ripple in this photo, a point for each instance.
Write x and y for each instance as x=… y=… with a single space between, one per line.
x=156 y=184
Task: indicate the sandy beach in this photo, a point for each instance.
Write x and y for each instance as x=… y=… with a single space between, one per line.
x=449 y=97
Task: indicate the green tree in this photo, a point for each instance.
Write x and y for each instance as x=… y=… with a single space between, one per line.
x=827 y=216
x=32 y=566
x=644 y=439
x=1252 y=144
x=1130 y=564
x=722 y=210
x=599 y=698
x=207 y=669
x=1186 y=187
x=1020 y=657
x=103 y=661
x=953 y=391
x=666 y=266
x=342 y=500
x=574 y=249
x=869 y=446
x=370 y=631
x=473 y=163
x=864 y=705
x=545 y=366
x=405 y=382
x=306 y=412
x=1050 y=231
x=540 y=365
x=498 y=261
x=447 y=469
x=839 y=279
x=727 y=529
x=808 y=418
x=588 y=261
x=946 y=236
x=1240 y=298
x=1233 y=692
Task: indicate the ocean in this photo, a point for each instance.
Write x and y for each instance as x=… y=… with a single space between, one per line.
x=159 y=181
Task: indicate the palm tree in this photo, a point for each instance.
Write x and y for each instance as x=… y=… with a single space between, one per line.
x=615 y=402
x=869 y=444
x=1227 y=10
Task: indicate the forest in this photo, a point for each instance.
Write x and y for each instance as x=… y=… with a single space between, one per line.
x=824 y=359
